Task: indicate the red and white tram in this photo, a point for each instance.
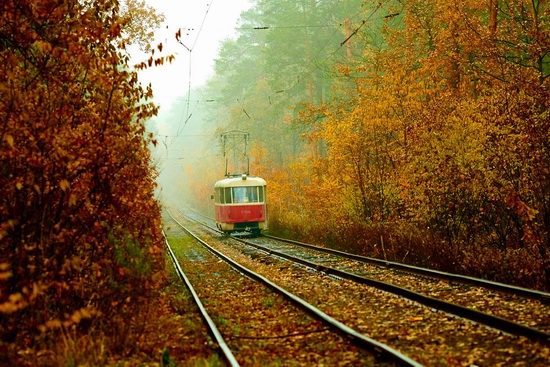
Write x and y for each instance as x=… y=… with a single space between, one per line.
x=240 y=204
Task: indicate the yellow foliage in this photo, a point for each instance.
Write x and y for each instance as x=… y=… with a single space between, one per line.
x=443 y=127
x=14 y=303
x=64 y=185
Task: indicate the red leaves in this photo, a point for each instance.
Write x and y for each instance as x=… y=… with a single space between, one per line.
x=76 y=179
x=429 y=140
x=14 y=303
x=159 y=61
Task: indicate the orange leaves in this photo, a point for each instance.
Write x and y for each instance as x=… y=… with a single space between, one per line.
x=14 y=303
x=9 y=139
x=139 y=20
x=159 y=61
x=84 y=313
x=5 y=272
x=521 y=208
x=430 y=133
x=76 y=171
x=64 y=185
x=43 y=46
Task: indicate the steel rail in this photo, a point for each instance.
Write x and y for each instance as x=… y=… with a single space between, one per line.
x=360 y=339
x=227 y=354
x=495 y=322
x=496 y=286
x=458 y=278
x=541 y=296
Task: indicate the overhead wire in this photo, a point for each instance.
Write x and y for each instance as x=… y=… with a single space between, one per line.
x=188 y=115
x=307 y=70
x=314 y=61
x=202 y=24
x=289 y=27
x=301 y=75
x=285 y=27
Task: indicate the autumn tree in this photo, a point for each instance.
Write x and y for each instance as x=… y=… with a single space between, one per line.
x=442 y=135
x=79 y=228
x=485 y=131
x=418 y=125
x=462 y=90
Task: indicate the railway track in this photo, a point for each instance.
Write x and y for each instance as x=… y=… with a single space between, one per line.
x=522 y=316
x=210 y=325
x=463 y=299
x=456 y=278
x=516 y=310
x=314 y=329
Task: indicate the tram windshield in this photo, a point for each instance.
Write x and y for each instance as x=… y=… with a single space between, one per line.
x=240 y=195
x=247 y=194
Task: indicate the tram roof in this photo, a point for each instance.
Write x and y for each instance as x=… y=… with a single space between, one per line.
x=243 y=180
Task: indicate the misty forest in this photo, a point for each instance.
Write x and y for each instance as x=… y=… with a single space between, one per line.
x=416 y=131
x=413 y=131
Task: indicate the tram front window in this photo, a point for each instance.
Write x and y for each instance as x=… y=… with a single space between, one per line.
x=245 y=194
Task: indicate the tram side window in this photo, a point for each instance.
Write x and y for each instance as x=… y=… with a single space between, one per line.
x=228 y=195
x=256 y=194
x=261 y=190
x=219 y=196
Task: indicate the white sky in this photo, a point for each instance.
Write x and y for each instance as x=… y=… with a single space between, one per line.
x=171 y=81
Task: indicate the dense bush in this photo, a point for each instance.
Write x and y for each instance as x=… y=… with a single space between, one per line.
x=441 y=150
x=423 y=125
x=80 y=240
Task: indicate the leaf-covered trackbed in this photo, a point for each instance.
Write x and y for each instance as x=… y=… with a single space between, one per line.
x=428 y=336
x=257 y=324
